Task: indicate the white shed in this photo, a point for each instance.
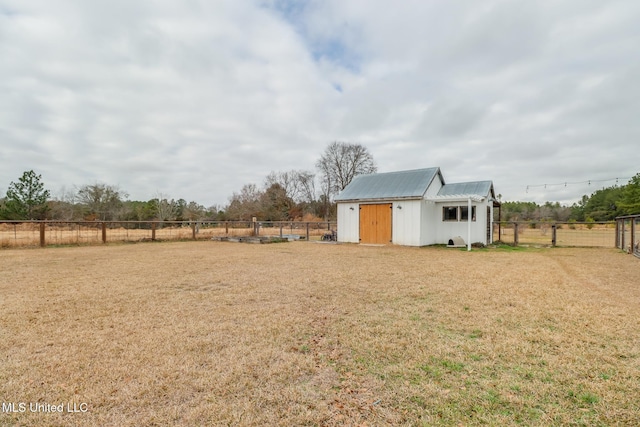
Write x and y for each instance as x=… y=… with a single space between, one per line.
x=415 y=208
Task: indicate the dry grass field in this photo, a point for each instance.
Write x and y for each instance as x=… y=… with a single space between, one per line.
x=215 y=333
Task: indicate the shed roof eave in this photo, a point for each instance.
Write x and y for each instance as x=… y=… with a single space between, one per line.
x=457 y=198
x=381 y=199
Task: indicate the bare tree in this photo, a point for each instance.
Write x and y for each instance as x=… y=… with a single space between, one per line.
x=246 y=204
x=298 y=185
x=341 y=162
x=306 y=186
x=101 y=201
x=194 y=211
x=285 y=180
x=166 y=210
x=63 y=206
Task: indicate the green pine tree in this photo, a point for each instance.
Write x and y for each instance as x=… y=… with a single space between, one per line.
x=26 y=199
x=630 y=200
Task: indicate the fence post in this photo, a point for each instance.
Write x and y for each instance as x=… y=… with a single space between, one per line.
x=193 y=230
x=281 y=230
x=254 y=223
x=226 y=227
x=104 y=232
x=153 y=231
x=553 y=234
x=307 y=231
x=515 y=234
x=617 y=233
x=633 y=236
x=42 y=242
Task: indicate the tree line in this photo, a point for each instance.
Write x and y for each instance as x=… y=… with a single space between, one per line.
x=290 y=195
x=602 y=205
x=283 y=196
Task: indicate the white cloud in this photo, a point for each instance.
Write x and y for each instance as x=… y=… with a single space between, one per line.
x=195 y=99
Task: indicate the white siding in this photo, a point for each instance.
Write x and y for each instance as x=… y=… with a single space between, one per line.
x=433 y=189
x=429 y=218
x=449 y=229
x=406 y=222
x=348 y=222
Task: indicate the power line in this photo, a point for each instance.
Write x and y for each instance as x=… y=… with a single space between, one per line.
x=566 y=183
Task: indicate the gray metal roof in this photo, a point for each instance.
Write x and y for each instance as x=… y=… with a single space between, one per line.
x=477 y=188
x=390 y=185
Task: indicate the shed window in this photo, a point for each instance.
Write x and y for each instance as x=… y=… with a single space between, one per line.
x=464 y=213
x=450 y=213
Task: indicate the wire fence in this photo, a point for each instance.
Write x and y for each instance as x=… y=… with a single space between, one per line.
x=567 y=234
x=628 y=234
x=15 y=234
x=621 y=233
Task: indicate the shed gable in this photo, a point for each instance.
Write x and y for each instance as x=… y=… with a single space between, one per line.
x=390 y=186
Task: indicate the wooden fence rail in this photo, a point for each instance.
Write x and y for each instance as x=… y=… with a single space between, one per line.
x=623 y=233
x=46 y=233
x=544 y=233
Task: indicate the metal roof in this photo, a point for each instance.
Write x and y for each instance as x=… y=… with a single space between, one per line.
x=391 y=185
x=476 y=188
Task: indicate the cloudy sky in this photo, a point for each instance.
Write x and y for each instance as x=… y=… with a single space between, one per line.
x=195 y=98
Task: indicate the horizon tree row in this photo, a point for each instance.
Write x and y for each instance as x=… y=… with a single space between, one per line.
x=291 y=195
x=284 y=196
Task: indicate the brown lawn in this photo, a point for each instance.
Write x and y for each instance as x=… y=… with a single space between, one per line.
x=214 y=333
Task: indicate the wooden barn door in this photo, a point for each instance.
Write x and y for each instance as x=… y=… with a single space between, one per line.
x=375 y=223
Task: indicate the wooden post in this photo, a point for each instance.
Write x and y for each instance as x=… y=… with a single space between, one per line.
x=226 y=227
x=500 y=223
x=104 y=232
x=553 y=234
x=193 y=230
x=515 y=234
x=633 y=236
x=307 y=231
x=281 y=230
x=42 y=242
x=153 y=231
x=469 y=224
